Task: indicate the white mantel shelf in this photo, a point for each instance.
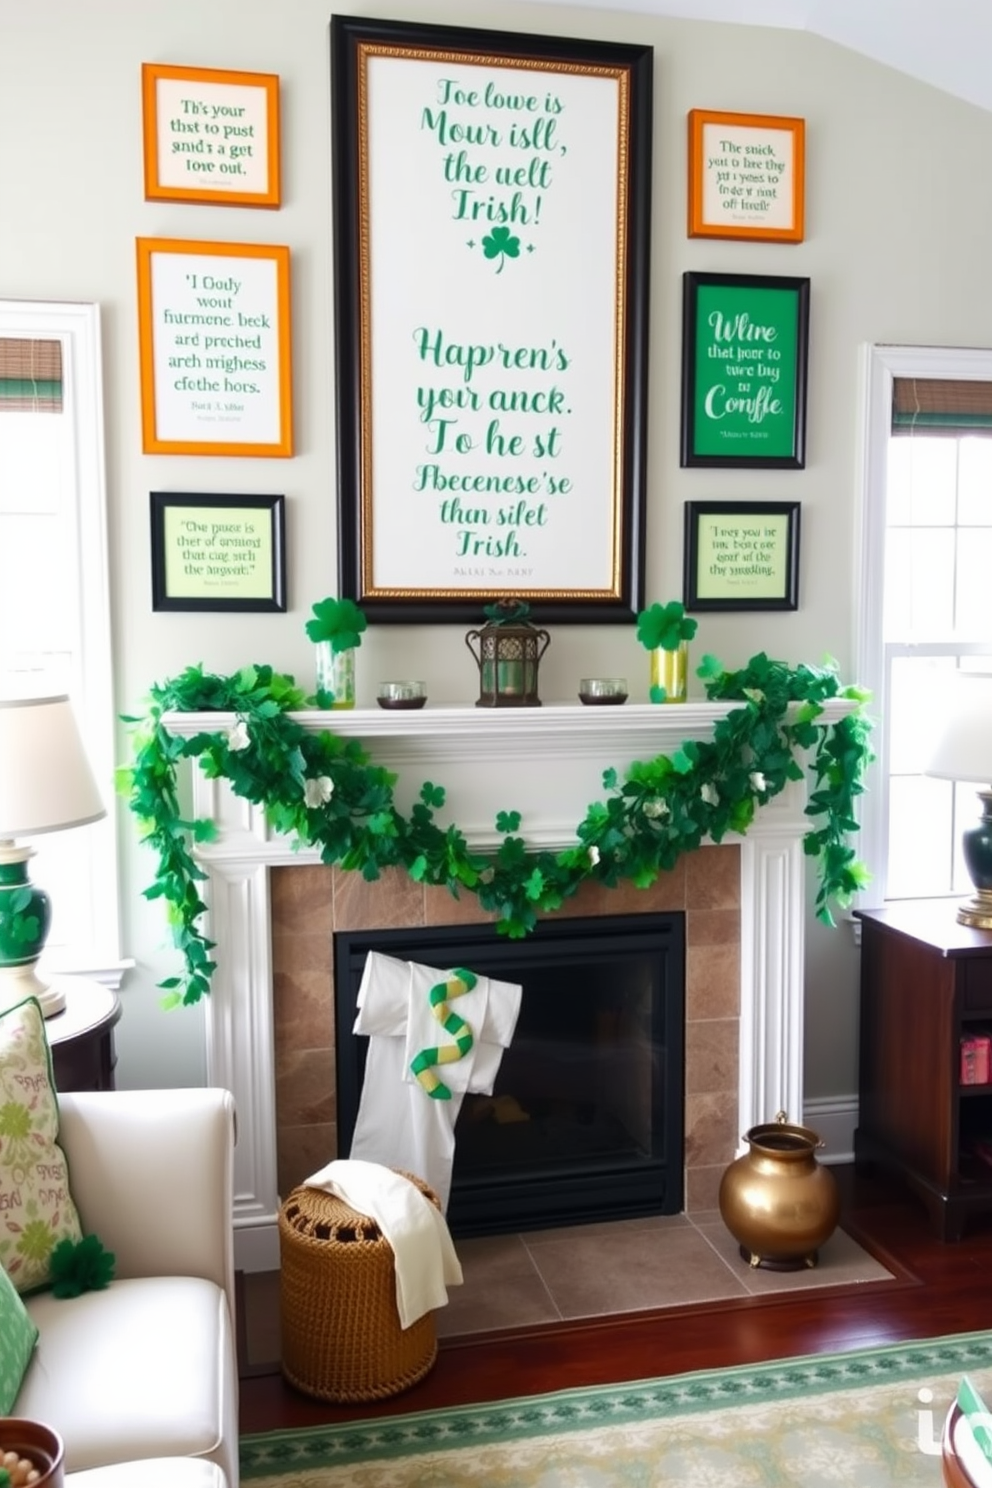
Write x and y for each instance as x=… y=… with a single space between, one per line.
x=547 y=763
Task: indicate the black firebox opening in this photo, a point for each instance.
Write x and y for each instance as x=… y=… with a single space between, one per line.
x=585 y=1121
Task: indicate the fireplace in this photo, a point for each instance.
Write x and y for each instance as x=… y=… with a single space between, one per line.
x=585 y=1119
x=273 y=909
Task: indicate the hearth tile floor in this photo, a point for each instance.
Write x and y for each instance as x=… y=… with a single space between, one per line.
x=585 y=1271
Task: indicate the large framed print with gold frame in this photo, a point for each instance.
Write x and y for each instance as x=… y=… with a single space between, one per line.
x=492 y=211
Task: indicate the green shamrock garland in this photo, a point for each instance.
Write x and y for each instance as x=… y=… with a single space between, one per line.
x=329 y=793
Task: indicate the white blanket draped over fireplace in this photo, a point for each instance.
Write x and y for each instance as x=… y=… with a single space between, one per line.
x=398 y=1123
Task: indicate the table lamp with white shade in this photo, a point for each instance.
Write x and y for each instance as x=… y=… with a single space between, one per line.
x=46 y=785
x=963 y=751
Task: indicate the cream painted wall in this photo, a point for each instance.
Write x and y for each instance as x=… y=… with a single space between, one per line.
x=899 y=239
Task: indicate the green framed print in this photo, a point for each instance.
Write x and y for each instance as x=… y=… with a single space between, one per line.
x=741 y=555
x=745 y=347
x=218 y=552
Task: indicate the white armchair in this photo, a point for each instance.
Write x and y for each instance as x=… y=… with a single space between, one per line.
x=146 y=1369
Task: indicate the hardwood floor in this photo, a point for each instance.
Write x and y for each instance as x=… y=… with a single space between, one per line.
x=943 y=1288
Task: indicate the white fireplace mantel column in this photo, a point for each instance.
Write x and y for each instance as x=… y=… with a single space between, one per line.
x=547 y=763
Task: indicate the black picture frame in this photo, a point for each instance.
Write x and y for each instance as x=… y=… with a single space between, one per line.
x=213 y=552
x=741 y=555
x=580 y=292
x=745 y=353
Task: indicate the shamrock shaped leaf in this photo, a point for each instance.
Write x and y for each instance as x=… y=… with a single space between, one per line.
x=80 y=1266
x=665 y=626
x=20 y=928
x=710 y=667
x=501 y=244
x=339 y=621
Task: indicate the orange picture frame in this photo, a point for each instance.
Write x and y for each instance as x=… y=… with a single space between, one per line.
x=210 y=136
x=746 y=176
x=214 y=346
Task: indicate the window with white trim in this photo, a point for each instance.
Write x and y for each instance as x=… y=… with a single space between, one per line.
x=925 y=613
x=54 y=594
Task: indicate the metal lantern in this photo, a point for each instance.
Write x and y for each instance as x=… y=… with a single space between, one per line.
x=507 y=652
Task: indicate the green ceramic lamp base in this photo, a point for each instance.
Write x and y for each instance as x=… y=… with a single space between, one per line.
x=977 y=847
x=25 y=917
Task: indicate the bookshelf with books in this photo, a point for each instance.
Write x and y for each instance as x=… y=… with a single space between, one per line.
x=925 y=1068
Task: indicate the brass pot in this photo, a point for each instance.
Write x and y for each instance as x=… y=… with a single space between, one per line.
x=39 y=1444
x=776 y=1200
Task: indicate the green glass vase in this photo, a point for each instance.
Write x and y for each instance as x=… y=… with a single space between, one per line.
x=336 y=673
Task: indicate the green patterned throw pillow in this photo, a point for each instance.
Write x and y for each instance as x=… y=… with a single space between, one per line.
x=36 y=1208
x=18 y=1336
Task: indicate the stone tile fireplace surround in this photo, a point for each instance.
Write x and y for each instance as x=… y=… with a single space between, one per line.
x=308 y=905
x=273 y=911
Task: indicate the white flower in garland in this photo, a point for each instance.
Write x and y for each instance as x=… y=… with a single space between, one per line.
x=317 y=792
x=238 y=736
x=758 y=781
x=655 y=807
x=594 y=855
x=710 y=794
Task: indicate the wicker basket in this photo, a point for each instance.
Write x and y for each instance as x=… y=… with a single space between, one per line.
x=341 y=1334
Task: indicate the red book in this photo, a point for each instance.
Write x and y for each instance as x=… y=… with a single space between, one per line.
x=976 y=1049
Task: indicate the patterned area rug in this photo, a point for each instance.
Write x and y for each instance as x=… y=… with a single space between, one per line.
x=871 y=1417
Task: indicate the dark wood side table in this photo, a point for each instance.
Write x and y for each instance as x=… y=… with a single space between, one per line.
x=81 y=1037
x=926 y=982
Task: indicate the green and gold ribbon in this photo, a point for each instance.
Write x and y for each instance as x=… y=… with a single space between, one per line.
x=457 y=983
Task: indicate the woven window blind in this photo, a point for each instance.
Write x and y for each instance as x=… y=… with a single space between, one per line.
x=30 y=375
x=937 y=405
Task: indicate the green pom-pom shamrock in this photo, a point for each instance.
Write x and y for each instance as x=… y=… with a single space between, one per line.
x=81 y=1267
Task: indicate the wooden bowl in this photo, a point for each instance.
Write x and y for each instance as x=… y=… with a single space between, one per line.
x=961 y=1458
x=39 y=1444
